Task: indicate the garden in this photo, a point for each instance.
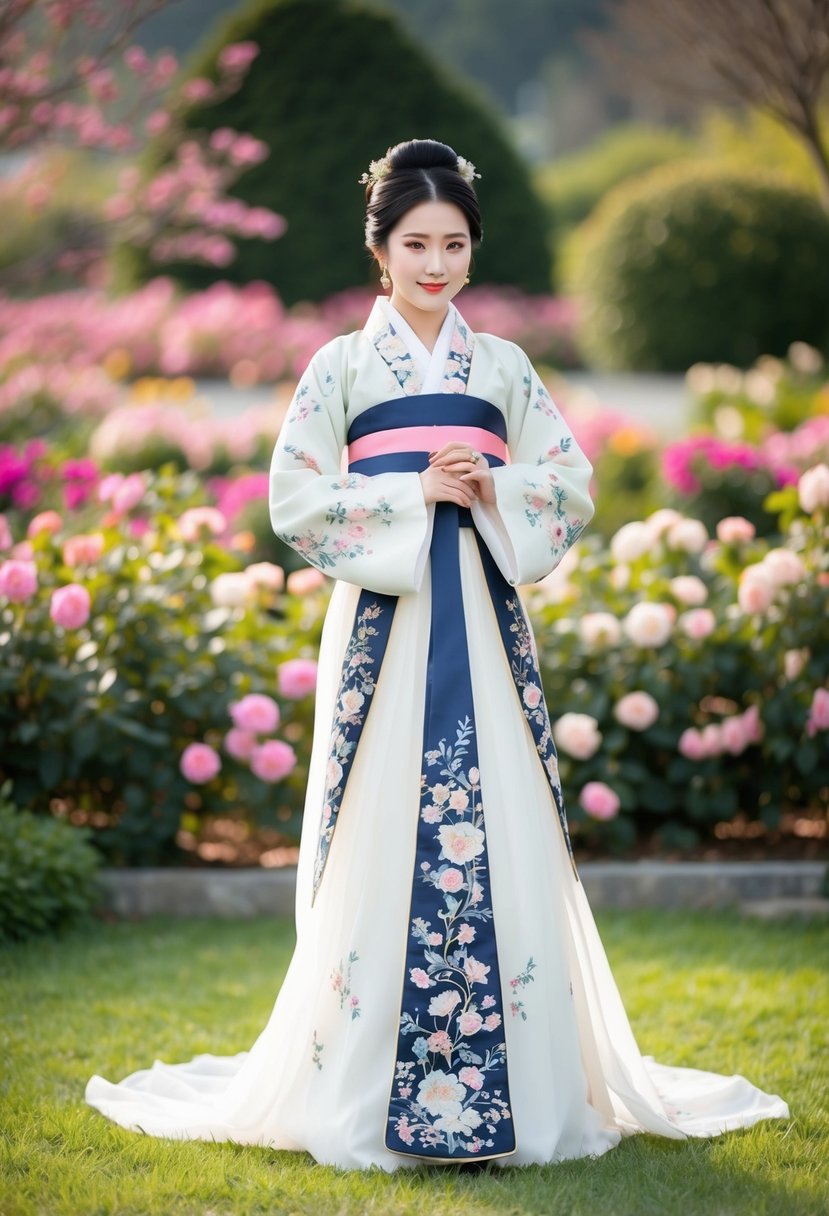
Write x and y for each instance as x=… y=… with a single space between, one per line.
x=158 y=643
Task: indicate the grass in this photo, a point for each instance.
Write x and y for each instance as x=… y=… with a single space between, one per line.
x=709 y=990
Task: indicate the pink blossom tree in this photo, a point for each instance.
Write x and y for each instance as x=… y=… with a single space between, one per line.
x=72 y=76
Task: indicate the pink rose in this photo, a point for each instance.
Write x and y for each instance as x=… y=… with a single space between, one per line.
x=256 y=713
x=199 y=763
x=471 y=1076
x=129 y=493
x=698 y=624
x=197 y=519
x=793 y=663
x=435 y=939
x=18 y=580
x=450 y=880
x=239 y=743
x=636 y=710
x=691 y=745
x=735 y=530
x=599 y=800
x=83 y=550
x=440 y=1042
x=532 y=696
x=475 y=971
x=419 y=977
x=755 y=591
x=470 y=1022
x=266 y=574
x=818 y=712
x=578 y=735
x=301 y=582
x=466 y=933
x=733 y=734
x=712 y=739
x=752 y=724
x=45 y=521
x=689 y=589
x=69 y=606
x=600 y=629
x=493 y=1021
x=297 y=678
x=459 y=800
x=272 y=760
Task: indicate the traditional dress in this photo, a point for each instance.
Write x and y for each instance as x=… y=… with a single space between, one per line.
x=449 y=997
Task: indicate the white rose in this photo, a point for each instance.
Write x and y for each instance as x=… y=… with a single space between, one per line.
x=689 y=535
x=578 y=735
x=649 y=624
x=460 y=842
x=783 y=567
x=689 y=589
x=631 y=542
x=600 y=629
x=813 y=488
x=441 y=1093
x=231 y=590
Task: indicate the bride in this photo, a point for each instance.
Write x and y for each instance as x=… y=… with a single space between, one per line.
x=449 y=999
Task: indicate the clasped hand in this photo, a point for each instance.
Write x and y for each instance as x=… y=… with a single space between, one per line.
x=453 y=477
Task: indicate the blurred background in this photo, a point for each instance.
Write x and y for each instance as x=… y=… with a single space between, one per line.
x=182 y=229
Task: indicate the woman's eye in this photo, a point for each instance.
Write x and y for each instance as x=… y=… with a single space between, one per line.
x=414 y=245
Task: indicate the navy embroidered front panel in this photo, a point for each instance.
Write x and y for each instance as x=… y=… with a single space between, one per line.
x=449 y=1095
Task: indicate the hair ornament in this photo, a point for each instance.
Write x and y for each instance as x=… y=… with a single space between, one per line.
x=467 y=170
x=377 y=170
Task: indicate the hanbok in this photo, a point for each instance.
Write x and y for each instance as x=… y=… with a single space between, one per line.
x=449 y=998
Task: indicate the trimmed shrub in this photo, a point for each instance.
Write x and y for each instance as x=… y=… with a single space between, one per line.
x=47 y=872
x=333 y=86
x=573 y=185
x=689 y=264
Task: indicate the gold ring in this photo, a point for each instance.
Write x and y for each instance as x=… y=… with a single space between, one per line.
x=474 y=456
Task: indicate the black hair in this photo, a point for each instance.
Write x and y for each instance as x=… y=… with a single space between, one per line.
x=422 y=170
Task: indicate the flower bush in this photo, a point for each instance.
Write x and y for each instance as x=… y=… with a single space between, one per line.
x=689 y=672
x=132 y=660
x=47 y=872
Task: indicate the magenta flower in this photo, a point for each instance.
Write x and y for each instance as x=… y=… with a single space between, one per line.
x=256 y=713
x=69 y=606
x=272 y=760
x=599 y=800
x=199 y=763
x=297 y=678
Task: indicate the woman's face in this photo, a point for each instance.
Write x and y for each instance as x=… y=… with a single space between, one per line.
x=427 y=255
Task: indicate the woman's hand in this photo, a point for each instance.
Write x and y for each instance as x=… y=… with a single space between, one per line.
x=441 y=486
x=453 y=458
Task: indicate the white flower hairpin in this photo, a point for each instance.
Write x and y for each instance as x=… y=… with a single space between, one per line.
x=378 y=169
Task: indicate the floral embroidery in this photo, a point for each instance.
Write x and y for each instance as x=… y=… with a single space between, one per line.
x=546 y=509
x=393 y=350
x=544 y=402
x=527 y=387
x=342 y=514
x=317 y=1051
x=521 y=980
x=341 y=983
x=458 y=361
x=527 y=678
x=322 y=549
x=443 y=1088
x=556 y=450
x=304 y=406
x=303 y=457
x=358 y=681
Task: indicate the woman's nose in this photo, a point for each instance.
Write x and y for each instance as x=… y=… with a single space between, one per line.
x=434 y=263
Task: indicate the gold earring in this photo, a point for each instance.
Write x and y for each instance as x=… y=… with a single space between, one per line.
x=466 y=280
x=385 y=281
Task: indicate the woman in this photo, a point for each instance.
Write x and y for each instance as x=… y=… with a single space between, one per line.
x=449 y=999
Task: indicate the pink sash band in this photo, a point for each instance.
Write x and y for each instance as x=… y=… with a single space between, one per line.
x=425 y=439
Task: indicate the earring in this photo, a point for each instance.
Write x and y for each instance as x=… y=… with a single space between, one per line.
x=466 y=280
x=385 y=281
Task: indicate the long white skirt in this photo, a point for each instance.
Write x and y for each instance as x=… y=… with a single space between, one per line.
x=319 y=1076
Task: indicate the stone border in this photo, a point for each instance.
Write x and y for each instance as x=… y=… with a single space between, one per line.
x=241 y=893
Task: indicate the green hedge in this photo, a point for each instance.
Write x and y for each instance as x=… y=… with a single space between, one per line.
x=333 y=86
x=47 y=872
x=690 y=264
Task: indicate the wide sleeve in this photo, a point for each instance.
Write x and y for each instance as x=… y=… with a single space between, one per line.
x=373 y=531
x=542 y=495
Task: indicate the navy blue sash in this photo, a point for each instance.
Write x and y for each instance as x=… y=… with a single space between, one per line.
x=450 y=1093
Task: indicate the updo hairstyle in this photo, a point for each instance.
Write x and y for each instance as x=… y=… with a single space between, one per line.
x=421 y=171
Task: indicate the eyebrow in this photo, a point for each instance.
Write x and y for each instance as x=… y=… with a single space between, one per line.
x=425 y=235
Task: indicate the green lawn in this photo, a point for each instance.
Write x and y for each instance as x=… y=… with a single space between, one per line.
x=709 y=990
